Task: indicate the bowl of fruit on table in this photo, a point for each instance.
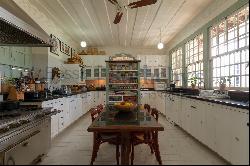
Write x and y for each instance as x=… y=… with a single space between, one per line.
x=125 y=106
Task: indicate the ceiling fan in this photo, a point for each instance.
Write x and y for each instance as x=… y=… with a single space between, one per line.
x=132 y=5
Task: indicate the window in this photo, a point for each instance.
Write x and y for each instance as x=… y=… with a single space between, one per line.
x=229 y=49
x=194 y=60
x=177 y=66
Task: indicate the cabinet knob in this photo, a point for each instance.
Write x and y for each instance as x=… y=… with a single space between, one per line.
x=237 y=139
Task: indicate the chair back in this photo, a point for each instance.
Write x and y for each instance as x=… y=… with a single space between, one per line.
x=155 y=113
x=100 y=106
x=147 y=107
x=94 y=113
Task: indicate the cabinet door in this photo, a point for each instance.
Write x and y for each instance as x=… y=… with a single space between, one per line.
x=17 y=57
x=240 y=137
x=167 y=106
x=177 y=110
x=156 y=73
x=210 y=126
x=28 y=57
x=223 y=131
x=186 y=115
x=96 y=72
x=5 y=55
x=67 y=111
x=88 y=73
x=148 y=73
x=195 y=120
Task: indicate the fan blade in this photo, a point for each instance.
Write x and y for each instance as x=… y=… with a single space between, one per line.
x=118 y=17
x=141 y=3
x=114 y=2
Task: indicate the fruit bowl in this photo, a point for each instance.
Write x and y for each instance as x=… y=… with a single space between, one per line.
x=125 y=106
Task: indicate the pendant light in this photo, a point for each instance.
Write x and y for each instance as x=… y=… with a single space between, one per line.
x=160 y=44
x=83 y=44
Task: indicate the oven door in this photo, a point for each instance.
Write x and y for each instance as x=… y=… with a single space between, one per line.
x=25 y=151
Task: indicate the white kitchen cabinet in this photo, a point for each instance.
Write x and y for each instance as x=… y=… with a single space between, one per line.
x=145 y=97
x=54 y=119
x=223 y=131
x=84 y=103
x=102 y=97
x=177 y=103
x=209 y=126
x=186 y=115
x=66 y=109
x=197 y=118
x=167 y=105
x=79 y=107
x=90 y=99
x=240 y=136
x=160 y=100
x=152 y=99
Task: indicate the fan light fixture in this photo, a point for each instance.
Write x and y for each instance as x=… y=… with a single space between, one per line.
x=83 y=44
x=160 y=44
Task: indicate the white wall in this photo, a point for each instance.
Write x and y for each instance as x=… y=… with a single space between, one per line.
x=213 y=10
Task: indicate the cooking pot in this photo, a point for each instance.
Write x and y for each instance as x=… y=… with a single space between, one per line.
x=32 y=95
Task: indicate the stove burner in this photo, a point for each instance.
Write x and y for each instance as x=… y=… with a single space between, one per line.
x=14 y=125
x=4 y=130
x=24 y=121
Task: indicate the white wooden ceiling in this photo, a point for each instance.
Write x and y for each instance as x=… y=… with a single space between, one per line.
x=92 y=20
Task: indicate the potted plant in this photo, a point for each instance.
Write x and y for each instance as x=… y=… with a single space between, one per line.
x=193 y=81
x=223 y=81
x=7 y=83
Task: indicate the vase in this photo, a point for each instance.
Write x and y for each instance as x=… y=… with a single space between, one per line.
x=193 y=86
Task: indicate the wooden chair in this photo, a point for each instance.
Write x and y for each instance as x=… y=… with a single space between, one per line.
x=100 y=138
x=150 y=138
x=147 y=107
x=154 y=136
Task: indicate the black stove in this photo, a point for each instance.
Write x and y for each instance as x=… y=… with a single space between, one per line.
x=12 y=119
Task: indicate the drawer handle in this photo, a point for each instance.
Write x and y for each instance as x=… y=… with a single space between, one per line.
x=61 y=104
x=193 y=106
x=247 y=124
x=25 y=144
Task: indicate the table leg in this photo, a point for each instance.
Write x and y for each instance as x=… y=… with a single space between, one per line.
x=125 y=148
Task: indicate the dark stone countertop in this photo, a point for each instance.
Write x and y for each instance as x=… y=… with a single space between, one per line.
x=227 y=102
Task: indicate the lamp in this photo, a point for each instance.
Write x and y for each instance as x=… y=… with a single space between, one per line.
x=160 y=44
x=83 y=44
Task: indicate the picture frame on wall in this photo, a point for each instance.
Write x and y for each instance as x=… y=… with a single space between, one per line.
x=67 y=50
x=73 y=52
x=55 y=45
x=62 y=47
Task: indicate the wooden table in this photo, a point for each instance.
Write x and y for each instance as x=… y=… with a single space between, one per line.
x=125 y=123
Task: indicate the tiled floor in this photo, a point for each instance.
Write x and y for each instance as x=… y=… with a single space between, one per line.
x=74 y=147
